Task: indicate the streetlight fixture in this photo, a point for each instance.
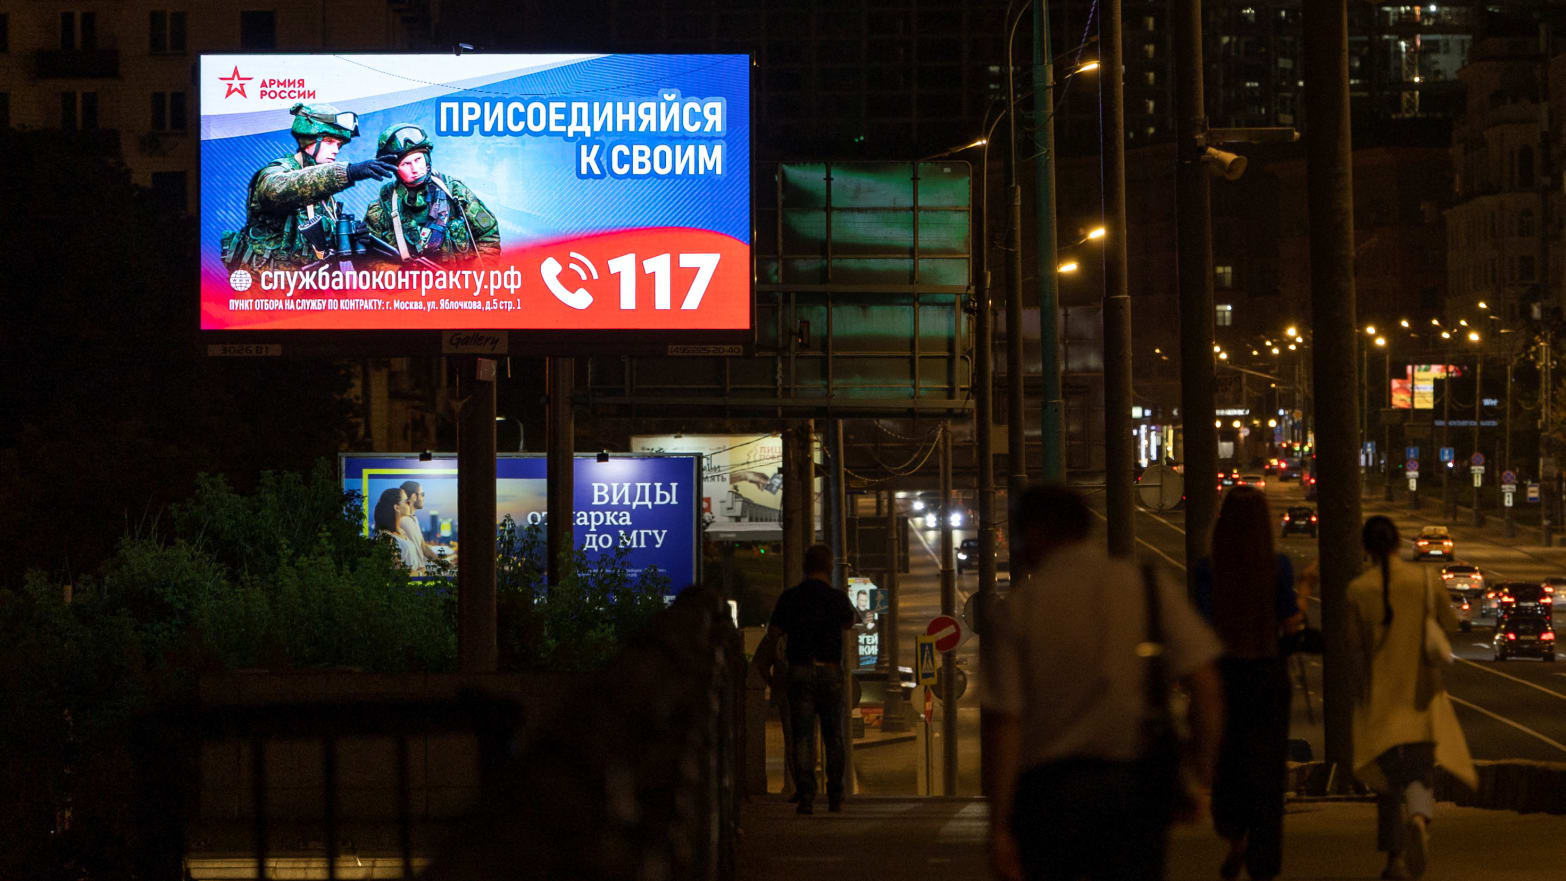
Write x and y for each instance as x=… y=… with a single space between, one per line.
x=1370 y=330
x=1086 y=67
x=1068 y=266
x=1096 y=232
x=1404 y=322
x=1483 y=305
x=1473 y=336
x=1292 y=332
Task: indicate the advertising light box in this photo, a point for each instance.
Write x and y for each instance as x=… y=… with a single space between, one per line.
x=646 y=504
x=497 y=192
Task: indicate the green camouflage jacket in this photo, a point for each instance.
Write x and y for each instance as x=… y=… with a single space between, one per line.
x=281 y=197
x=472 y=225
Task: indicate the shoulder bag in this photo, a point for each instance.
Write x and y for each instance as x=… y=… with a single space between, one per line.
x=1161 y=746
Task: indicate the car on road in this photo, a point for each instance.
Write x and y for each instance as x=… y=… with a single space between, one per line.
x=1555 y=586
x=1464 y=578
x=968 y=556
x=1300 y=518
x=1255 y=480
x=1227 y=479
x=1308 y=480
x=1463 y=609
x=1433 y=541
x=1523 y=598
x=1524 y=636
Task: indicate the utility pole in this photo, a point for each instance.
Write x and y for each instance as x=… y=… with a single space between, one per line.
x=1052 y=467
x=1331 y=206
x=1506 y=455
x=1194 y=203
x=477 y=649
x=1119 y=452
x=1546 y=395
x=1478 y=418
x=560 y=466
x=1547 y=298
x=1016 y=374
x=948 y=681
x=1448 y=500
x=984 y=420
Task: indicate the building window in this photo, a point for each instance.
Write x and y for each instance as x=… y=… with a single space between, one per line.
x=1225 y=316
x=5 y=109
x=78 y=30
x=1249 y=14
x=1223 y=276
x=1149 y=23
x=1149 y=51
x=165 y=32
x=78 y=111
x=1525 y=223
x=1150 y=78
x=258 y=29
x=168 y=111
x=1524 y=168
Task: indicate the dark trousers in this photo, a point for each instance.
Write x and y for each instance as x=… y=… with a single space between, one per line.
x=1248 y=787
x=1091 y=818
x=816 y=692
x=1410 y=773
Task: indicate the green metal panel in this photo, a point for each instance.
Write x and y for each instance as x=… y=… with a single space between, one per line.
x=863 y=270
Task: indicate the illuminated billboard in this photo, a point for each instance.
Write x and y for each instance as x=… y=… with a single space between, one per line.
x=497 y=192
x=742 y=474
x=645 y=504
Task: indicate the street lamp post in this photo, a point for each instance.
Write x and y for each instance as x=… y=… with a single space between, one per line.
x=1478 y=418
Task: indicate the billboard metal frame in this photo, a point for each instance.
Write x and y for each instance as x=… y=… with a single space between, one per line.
x=428 y=343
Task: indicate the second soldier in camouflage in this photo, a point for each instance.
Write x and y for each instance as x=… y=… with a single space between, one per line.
x=425 y=213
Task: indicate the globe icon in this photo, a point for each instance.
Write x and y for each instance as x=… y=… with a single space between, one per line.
x=239 y=280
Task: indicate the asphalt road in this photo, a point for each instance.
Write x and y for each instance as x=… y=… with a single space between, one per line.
x=1514 y=709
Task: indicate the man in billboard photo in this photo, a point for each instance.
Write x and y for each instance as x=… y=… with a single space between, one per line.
x=290 y=216
x=425 y=213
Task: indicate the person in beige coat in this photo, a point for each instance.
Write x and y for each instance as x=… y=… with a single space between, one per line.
x=1404 y=723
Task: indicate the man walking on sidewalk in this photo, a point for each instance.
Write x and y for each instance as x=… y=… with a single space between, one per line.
x=813 y=615
x=1072 y=791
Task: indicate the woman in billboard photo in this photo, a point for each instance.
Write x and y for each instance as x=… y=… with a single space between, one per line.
x=389 y=511
x=425 y=213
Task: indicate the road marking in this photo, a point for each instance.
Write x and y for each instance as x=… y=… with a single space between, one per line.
x=1534 y=685
x=1165 y=522
x=1505 y=721
x=1142 y=541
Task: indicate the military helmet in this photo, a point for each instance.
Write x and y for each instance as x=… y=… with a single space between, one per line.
x=323 y=120
x=401 y=139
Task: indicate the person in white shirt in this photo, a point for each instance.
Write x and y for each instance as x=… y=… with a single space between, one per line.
x=1065 y=692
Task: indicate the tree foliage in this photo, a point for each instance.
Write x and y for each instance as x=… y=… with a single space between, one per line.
x=98 y=689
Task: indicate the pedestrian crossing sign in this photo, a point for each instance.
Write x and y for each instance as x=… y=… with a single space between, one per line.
x=926 y=660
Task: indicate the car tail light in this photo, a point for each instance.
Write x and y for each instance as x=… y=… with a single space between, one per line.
x=1489 y=595
x=1313 y=518
x=1547 y=636
x=1422 y=543
x=1511 y=636
x=1446 y=542
x=1446 y=576
x=1465 y=607
x=1549 y=588
x=1287 y=518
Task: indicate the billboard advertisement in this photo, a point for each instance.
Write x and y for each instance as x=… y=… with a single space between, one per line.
x=646 y=504
x=459 y=192
x=742 y=474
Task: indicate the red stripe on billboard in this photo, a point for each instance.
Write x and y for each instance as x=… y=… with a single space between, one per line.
x=645 y=279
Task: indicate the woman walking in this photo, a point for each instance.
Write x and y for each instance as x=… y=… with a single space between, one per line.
x=1404 y=724
x=1246 y=589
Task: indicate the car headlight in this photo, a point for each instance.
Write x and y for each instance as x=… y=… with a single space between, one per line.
x=929 y=521
x=918 y=505
x=955 y=518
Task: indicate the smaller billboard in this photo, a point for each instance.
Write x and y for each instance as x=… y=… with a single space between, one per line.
x=647 y=505
x=742 y=476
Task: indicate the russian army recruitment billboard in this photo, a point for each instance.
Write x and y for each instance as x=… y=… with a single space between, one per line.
x=501 y=192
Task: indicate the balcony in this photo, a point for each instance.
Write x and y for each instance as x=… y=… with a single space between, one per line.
x=78 y=64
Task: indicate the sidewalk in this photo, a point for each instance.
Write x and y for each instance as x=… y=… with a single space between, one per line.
x=907 y=839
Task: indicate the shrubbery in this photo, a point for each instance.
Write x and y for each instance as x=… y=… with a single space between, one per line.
x=280 y=579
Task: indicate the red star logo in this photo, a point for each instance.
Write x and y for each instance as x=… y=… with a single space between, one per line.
x=235 y=83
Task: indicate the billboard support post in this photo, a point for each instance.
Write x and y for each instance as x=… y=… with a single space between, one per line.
x=948 y=607
x=562 y=488
x=476 y=646
x=892 y=711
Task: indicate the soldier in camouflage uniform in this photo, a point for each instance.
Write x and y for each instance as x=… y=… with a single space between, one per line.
x=296 y=190
x=425 y=213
